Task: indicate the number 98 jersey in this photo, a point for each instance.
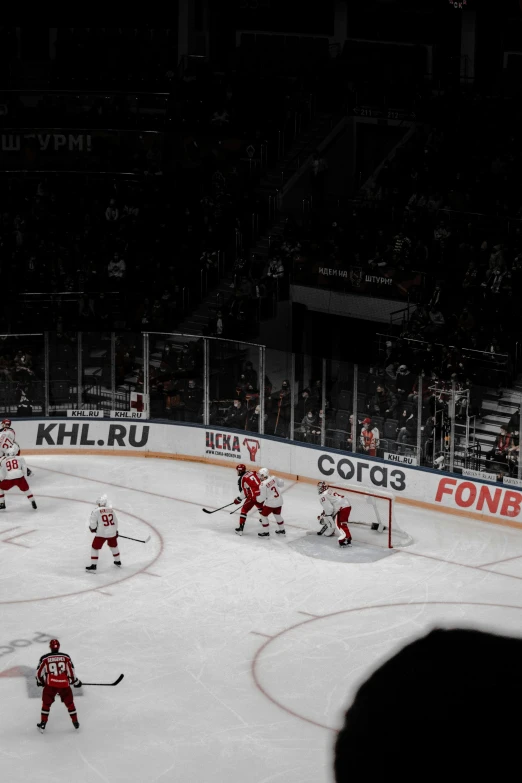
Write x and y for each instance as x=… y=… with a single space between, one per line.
x=104 y=522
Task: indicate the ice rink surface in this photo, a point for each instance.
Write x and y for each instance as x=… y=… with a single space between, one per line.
x=240 y=654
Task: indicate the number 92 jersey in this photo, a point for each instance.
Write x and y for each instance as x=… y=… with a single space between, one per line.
x=104 y=522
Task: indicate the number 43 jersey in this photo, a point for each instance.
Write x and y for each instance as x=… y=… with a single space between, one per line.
x=56 y=670
x=104 y=522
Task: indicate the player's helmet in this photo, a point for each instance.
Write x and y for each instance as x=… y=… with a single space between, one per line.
x=102 y=501
x=6 y=423
x=11 y=452
x=263 y=473
x=54 y=644
x=241 y=469
x=322 y=486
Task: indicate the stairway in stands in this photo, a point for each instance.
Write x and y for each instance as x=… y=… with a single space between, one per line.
x=498 y=406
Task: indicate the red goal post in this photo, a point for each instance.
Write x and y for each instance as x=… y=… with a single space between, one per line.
x=373 y=516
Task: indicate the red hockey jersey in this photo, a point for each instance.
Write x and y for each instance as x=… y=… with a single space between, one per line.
x=56 y=669
x=249 y=485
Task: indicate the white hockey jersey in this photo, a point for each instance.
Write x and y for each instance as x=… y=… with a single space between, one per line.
x=332 y=504
x=7 y=438
x=12 y=468
x=269 y=492
x=103 y=522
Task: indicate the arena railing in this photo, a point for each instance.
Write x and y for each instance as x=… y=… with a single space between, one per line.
x=246 y=387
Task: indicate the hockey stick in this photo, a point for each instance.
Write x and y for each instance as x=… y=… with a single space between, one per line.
x=234 y=511
x=139 y=540
x=120 y=678
x=217 y=509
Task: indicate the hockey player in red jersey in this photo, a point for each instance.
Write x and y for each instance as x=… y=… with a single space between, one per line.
x=55 y=674
x=248 y=484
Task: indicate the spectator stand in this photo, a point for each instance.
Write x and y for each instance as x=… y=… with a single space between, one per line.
x=379 y=411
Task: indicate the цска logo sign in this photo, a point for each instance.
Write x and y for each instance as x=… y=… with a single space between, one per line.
x=78 y=435
x=226 y=444
x=355 y=470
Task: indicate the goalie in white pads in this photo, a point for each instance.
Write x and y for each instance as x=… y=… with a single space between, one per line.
x=336 y=511
x=272 y=500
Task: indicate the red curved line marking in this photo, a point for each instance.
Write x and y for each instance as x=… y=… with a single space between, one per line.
x=120 y=486
x=257 y=656
x=108 y=584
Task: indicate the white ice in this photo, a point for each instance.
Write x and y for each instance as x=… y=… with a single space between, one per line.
x=240 y=654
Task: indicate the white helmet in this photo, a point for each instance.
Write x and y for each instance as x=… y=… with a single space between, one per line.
x=263 y=473
x=102 y=501
x=15 y=448
x=322 y=486
x=12 y=452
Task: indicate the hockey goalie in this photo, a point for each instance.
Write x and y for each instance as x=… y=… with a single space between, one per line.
x=335 y=514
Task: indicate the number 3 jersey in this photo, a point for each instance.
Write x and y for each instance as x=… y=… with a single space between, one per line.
x=103 y=522
x=269 y=493
x=56 y=670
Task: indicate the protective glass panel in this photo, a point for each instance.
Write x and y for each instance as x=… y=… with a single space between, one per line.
x=21 y=375
x=308 y=397
x=234 y=378
x=339 y=409
x=176 y=377
x=63 y=372
x=96 y=371
x=127 y=376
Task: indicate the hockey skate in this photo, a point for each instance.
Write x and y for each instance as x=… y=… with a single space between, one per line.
x=117 y=563
x=346 y=542
x=91 y=568
x=33 y=504
x=264 y=535
x=321 y=531
x=41 y=727
x=2 y=506
x=239 y=530
x=281 y=531
x=76 y=724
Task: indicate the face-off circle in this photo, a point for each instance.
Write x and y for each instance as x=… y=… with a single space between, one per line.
x=326 y=658
x=53 y=546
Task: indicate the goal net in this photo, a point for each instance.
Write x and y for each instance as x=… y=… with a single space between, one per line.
x=372 y=519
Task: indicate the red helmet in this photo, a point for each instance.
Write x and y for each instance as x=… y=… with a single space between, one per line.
x=6 y=423
x=241 y=469
x=54 y=644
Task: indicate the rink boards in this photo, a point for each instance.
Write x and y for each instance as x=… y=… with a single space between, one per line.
x=470 y=497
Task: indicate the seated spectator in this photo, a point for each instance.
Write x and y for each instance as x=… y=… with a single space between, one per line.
x=406 y=430
x=112 y=213
x=251 y=375
x=116 y=268
x=310 y=429
x=369 y=438
x=499 y=452
x=237 y=418
x=383 y=403
x=404 y=381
